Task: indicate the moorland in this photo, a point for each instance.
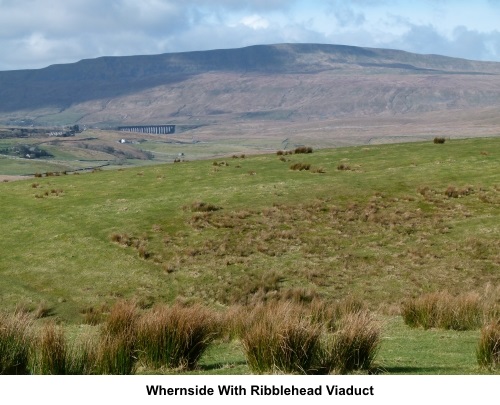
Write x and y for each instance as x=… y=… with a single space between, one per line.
x=295 y=207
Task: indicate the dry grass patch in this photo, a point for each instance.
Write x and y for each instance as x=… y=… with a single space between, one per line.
x=49 y=352
x=175 y=336
x=279 y=338
x=443 y=310
x=488 y=350
x=15 y=339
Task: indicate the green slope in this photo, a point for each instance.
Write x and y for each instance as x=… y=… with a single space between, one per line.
x=383 y=230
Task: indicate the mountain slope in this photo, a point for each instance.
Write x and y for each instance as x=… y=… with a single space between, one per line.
x=272 y=82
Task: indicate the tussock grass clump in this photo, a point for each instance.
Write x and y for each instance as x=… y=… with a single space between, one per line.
x=121 y=238
x=122 y=319
x=443 y=310
x=81 y=356
x=330 y=313
x=343 y=166
x=488 y=349
x=116 y=353
x=303 y=149
x=92 y=315
x=439 y=140
x=49 y=351
x=279 y=338
x=200 y=206
x=352 y=347
x=300 y=166
x=453 y=192
x=15 y=332
x=175 y=336
x=286 y=337
x=318 y=170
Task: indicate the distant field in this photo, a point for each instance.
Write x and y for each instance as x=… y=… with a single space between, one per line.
x=382 y=223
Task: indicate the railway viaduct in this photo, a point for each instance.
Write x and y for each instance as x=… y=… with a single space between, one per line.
x=149 y=129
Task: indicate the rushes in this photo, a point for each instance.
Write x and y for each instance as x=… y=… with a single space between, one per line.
x=293 y=338
x=280 y=338
x=116 y=348
x=14 y=343
x=175 y=336
x=50 y=351
x=488 y=350
x=443 y=310
x=353 y=346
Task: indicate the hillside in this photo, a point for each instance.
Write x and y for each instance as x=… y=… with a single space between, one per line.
x=270 y=85
x=386 y=227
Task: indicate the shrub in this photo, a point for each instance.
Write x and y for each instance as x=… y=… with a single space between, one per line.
x=15 y=331
x=488 y=350
x=439 y=140
x=175 y=336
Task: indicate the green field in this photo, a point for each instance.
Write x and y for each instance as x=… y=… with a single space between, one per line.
x=401 y=220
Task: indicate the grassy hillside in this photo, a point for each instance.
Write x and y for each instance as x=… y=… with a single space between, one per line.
x=386 y=227
x=378 y=223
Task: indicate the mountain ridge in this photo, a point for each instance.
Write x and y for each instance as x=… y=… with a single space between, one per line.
x=272 y=82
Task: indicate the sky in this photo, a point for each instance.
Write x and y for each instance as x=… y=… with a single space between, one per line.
x=39 y=33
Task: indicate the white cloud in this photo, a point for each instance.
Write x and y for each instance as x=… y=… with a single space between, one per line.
x=36 y=33
x=255 y=21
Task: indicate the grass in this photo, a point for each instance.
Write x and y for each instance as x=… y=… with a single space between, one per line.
x=443 y=310
x=49 y=351
x=176 y=336
x=409 y=243
x=385 y=230
x=286 y=337
x=488 y=348
x=14 y=343
x=280 y=339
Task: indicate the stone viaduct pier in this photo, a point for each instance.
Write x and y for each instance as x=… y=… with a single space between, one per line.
x=149 y=129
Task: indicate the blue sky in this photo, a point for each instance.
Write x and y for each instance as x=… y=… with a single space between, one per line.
x=38 y=33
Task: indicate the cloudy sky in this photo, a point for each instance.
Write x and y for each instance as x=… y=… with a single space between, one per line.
x=38 y=33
